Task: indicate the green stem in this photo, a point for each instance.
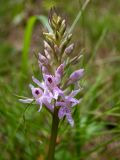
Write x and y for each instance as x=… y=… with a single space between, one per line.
x=78 y=138
x=54 y=131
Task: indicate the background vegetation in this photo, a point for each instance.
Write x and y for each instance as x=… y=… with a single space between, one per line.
x=24 y=133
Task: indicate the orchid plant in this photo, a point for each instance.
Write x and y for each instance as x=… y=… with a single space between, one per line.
x=54 y=91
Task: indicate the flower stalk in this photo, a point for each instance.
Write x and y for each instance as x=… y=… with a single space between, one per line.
x=53 y=138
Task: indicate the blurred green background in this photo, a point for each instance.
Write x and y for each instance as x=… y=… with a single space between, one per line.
x=25 y=133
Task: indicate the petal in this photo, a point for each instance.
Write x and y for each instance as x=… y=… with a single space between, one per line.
x=37 y=92
x=48 y=94
x=61 y=113
x=75 y=103
x=29 y=100
x=46 y=76
x=50 y=81
x=62 y=104
x=71 y=102
x=74 y=93
x=62 y=96
x=57 y=92
x=41 y=85
x=74 y=100
x=40 y=107
x=31 y=86
x=47 y=104
x=70 y=120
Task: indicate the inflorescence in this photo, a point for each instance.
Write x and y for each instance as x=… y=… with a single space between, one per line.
x=55 y=89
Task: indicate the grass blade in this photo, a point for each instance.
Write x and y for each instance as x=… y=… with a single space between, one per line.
x=79 y=15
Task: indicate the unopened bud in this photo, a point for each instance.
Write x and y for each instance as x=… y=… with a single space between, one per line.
x=54 y=18
x=63 y=23
x=57 y=49
x=65 y=43
x=75 y=76
x=69 y=49
x=49 y=36
x=59 y=73
x=69 y=37
x=59 y=21
x=60 y=70
x=44 y=70
x=57 y=35
x=76 y=59
x=47 y=46
x=47 y=54
x=43 y=59
x=63 y=28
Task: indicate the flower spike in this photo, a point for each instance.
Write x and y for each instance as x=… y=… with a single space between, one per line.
x=54 y=62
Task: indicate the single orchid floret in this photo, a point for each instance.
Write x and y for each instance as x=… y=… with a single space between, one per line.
x=52 y=82
x=75 y=76
x=42 y=85
x=65 y=111
x=36 y=92
x=40 y=96
x=52 y=85
x=66 y=104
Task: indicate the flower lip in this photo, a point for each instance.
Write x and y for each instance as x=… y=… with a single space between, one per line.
x=49 y=80
x=66 y=110
x=37 y=92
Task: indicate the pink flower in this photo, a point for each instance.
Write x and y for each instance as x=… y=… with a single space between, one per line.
x=41 y=97
x=50 y=90
x=52 y=82
x=66 y=104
